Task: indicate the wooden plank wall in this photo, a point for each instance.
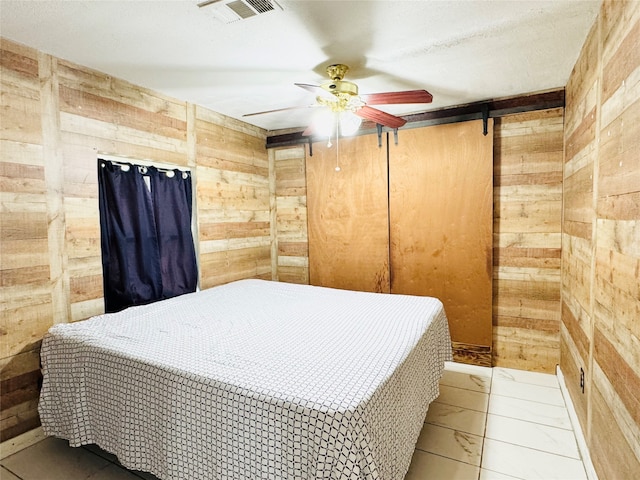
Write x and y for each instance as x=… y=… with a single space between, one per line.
x=601 y=240
x=233 y=200
x=56 y=118
x=528 y=152
x=578 y=221
x=291 y=218
x=99 y=113
x=25 y=287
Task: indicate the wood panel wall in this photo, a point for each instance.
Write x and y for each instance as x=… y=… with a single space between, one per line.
x=57 y=118
x=528 y=153
x=291 y=217
x=98 y=113
x=25 y=284
x=233 y=200
x=600 y=330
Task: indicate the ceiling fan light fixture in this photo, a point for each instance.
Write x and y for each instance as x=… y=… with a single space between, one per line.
x=324 y=122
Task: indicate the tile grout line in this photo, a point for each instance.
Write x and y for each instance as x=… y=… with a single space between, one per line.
x=21 y=442
x=458 y=406
x=535 y=449
x=532 y=401
x=465 y=389
x=115 y=462
x=505 y=474
x=449 y=458
x=11 y=472
x=530 y=421
x=486 y=419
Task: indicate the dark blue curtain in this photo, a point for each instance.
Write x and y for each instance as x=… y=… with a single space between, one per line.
x=147 y=246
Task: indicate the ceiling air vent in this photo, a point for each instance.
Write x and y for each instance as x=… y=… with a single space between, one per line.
x=229 y=11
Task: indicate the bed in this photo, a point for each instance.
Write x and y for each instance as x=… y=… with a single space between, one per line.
x=250 y=380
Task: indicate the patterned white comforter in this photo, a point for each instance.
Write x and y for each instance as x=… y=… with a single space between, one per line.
x=251 y=380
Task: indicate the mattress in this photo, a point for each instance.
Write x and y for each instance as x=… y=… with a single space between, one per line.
x=250 y=380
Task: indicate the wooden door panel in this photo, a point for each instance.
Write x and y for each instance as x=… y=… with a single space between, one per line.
x=348 y=215
x=441 y=215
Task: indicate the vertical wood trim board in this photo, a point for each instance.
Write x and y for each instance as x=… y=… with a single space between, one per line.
x=54 y=179
x=192 y=164
x=348 y=215
x=441 y=227
x=273 y=215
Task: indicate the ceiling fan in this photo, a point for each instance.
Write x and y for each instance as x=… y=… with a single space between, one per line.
x=341 y=100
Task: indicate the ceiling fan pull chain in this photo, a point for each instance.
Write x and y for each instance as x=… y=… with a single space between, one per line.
x=337 y=169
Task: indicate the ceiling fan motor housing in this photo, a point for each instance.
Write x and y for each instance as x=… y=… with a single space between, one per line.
x=341 y=87
x=337 y=85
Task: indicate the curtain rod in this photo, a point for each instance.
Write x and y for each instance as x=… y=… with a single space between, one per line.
x=143 y=169
x=118 y=159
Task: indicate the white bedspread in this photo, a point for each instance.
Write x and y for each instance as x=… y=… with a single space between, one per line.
x=251 y=380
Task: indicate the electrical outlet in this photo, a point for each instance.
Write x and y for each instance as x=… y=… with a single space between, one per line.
x=582 y=379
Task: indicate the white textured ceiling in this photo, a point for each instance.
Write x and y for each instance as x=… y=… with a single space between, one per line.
x=460 y=51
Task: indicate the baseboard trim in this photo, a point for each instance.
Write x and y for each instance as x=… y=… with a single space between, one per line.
x=577 y=429
x=22 y=441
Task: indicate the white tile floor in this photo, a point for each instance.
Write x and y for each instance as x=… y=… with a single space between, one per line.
x=487 y=424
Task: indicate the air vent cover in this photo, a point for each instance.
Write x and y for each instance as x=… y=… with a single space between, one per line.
x=241 y=9
x=229 y=11
x=261 y=6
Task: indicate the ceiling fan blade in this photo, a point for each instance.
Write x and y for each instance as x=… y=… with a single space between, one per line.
x=389 y=98
x=309 y=87
x=276 y=110
x=378 y=116
x=316 y=90
x=308 y=131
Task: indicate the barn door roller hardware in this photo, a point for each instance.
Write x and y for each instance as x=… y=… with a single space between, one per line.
x=379 y=130
x=485 y=119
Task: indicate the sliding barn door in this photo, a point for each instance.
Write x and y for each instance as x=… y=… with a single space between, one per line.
x=441 y=209
x=348 y=215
